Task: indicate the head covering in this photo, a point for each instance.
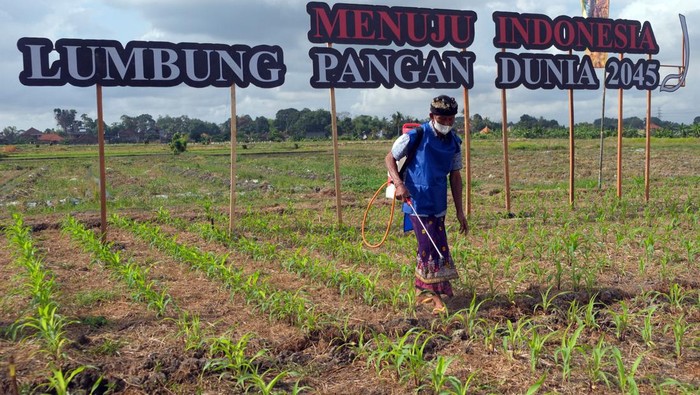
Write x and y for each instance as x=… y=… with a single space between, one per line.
x=443 y=105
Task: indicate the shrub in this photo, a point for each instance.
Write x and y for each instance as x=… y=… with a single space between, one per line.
x=178 y=144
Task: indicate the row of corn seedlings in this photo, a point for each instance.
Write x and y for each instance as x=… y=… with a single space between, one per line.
x=49 y=326
x=226 y=357
x=362 y=285
x=135 y=276
x=280 y=305
x=299 y=231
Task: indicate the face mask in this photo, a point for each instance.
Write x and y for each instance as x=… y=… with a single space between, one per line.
x=442 y=129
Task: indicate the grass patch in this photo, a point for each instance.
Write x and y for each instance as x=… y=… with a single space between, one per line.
x=92 y=298
x=94 y=321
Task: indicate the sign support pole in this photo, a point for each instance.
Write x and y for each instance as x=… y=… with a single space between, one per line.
x=336 y=166
x=467 y=151
x=103 y=177
x=571 y=147
x=602 y=134
x=504 y=130
x=234 y=132
x=620 y=96
x=647 y=161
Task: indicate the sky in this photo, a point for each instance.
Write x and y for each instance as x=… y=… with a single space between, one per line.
x=286 y=23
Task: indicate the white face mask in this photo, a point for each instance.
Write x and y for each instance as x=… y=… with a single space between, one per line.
x=440 y=128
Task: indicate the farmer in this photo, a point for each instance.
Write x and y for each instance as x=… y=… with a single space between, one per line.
x=432 y=155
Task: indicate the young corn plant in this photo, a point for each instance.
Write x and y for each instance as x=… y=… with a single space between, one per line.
x=50 y=329
x=626 y=378
x=258 y=381
x=459 y=387
x=679 y=328
x=438 y=375
x=596 y=363
x=536 y=343
x=565 y=353
x=516 y=336
x=189 y=328
x=620 y=320
x=59 y=381
x=229 y=359
x=546 y=303
x=468 y=317
x=647 y=329
x=405 y=356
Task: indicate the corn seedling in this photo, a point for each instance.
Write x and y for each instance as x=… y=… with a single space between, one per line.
x=620 y=320
x=59 y=381
x=676 y=296
x=625 y=378
x=468 y=317
x=490 y=334
x=259 y=383
x=565 y=352
x=515 y=336
x=647 y=328
x=407 y=352
x=546 y=302
x=50 y=329
x=189 y=327
x=679 y=328
x=438 y=375
x=595 y=362
x=536 y=344
x=229 y=359
x=459 y=387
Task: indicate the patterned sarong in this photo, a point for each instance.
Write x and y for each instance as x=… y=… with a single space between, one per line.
x=432 y=272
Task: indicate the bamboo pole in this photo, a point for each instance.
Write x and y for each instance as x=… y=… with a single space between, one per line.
x=571 y=147
x=336 y=166
x=647 y=161
x=234 y=133
x=620 y=95
x=103 y=176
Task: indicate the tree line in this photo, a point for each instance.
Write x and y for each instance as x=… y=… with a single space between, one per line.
x=291 y=124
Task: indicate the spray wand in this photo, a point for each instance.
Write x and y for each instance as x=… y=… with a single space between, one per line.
x=408 y=200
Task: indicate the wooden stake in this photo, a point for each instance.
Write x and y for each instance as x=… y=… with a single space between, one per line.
x=336 y=166
x=620 y=95
x=103 y=177
x=504 y=129
x=234 y=132
x=467 y=152
x=12 y=370
x=571 y=147
x=647 y=162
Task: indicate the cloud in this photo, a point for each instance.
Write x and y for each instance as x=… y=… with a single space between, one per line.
x=286 y=23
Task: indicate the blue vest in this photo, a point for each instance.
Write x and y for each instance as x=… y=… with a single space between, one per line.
x=426 y=175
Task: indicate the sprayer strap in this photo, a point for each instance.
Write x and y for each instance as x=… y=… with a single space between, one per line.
x=412 y=153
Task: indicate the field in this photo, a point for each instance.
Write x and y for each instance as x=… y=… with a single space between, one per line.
x=602 y=297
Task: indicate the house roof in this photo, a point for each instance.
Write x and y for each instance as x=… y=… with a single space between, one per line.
x=51 y=138
x=31 y=132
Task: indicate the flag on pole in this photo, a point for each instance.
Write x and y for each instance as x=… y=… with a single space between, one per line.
x=596 y=9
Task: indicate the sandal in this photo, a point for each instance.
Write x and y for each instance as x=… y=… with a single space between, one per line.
x=424 y=297
x=440 y=310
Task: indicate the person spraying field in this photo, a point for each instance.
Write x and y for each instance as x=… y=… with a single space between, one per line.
x=433 y=155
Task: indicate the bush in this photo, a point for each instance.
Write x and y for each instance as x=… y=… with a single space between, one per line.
x=178 y=144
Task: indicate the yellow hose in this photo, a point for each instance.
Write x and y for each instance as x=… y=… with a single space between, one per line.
x=388 y=224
